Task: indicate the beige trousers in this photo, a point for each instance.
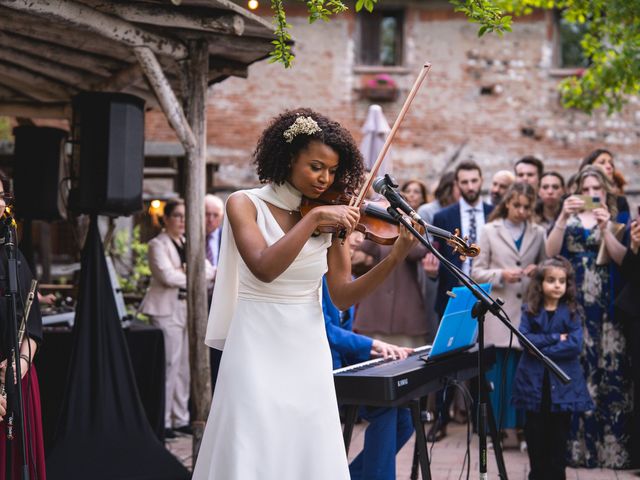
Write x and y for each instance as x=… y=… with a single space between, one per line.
x=176 y=351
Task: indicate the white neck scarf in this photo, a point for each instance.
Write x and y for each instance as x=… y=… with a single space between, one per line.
x=225 y=292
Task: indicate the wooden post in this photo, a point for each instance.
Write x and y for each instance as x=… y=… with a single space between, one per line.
x=197 y=311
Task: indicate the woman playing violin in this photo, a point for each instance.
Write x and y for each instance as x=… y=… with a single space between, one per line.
x=274 y=413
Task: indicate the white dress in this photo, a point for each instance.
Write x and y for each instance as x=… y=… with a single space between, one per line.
x=274 y=413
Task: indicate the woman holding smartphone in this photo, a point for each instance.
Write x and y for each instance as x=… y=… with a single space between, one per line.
x=599 y=438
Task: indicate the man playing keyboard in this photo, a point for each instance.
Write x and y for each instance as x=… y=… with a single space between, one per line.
x=389 y=428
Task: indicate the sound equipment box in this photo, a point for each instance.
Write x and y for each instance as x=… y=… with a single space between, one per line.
x=108 y=154
x=38 y=171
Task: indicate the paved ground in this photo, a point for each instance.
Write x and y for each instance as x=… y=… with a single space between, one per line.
x=447 y=458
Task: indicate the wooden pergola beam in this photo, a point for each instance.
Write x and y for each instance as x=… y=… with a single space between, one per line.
x=102 y=66
x=113 y=28
x=228 y=24
x=167 y=98
x=36 y=109
x=124 y=78
x=44 y=88
x=219 y=67
x=32 y=27
x=67 y=75
x=23 y=91
x=224 y=46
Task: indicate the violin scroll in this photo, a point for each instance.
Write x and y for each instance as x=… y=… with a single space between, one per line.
x=461 y=245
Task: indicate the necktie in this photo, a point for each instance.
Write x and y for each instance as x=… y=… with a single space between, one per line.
x=209 y=250
x=473 y=233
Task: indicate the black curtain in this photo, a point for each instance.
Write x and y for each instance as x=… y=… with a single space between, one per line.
x=103 y=432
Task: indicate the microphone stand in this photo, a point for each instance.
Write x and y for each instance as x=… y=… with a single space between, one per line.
x=14 y=390
x=485 y=303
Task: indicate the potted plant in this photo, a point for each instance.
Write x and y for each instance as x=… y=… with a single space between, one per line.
x=380 y=87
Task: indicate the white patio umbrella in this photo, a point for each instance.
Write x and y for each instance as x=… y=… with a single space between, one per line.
x=375 y=130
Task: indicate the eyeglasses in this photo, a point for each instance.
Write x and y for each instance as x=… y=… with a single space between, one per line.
x=177 y=215
x=7 y=197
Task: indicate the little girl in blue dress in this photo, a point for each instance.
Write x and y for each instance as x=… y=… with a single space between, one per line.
x=551 y=320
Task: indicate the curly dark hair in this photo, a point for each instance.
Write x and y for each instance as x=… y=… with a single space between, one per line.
x=535 y=296
x=273 y=154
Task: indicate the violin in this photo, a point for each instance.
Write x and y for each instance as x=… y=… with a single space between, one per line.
x=377 y=225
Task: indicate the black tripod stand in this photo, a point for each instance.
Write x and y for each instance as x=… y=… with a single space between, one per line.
x=15 y=406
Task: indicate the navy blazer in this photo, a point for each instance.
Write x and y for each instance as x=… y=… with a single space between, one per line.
x=346 y=347
x=545 y=334
x=449 y=219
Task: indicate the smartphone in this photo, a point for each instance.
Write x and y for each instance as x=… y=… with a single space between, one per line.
x=590 y=202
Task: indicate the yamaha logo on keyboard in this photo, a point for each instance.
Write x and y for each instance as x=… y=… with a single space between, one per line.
x=403 y=382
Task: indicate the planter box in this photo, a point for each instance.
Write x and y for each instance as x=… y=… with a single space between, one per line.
x=382 y=93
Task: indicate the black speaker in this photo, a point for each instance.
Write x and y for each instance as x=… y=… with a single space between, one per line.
x=108 y=153
x=37 y=170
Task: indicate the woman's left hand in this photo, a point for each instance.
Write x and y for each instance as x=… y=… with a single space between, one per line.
x=404 y=243
x=431 y=265
x=602 y=216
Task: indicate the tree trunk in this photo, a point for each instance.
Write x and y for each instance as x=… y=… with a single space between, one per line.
x=197 y=68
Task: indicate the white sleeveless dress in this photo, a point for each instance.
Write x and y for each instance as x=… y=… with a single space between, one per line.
x=274 y=413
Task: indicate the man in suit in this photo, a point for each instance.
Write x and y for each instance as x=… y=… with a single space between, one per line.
x=501 y=180
x=529 y=170
x=389 y=428
x=214 y=214
x=468 y=214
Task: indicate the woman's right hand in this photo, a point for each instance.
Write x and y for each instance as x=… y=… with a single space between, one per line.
x=512 y=275
x=571 y=205
x=343 y=215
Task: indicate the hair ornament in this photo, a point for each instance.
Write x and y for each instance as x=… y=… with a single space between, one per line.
x=305 y=125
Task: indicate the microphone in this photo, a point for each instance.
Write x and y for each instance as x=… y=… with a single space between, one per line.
x=382 y=186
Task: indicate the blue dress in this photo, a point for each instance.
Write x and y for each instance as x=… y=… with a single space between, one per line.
x=599 y=438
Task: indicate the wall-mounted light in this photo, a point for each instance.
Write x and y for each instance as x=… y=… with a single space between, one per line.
x=252 y=4
x=156 y=209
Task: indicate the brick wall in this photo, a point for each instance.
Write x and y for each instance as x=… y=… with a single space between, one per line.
x=519 y=114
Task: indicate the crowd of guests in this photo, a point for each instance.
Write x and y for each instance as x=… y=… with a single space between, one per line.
x=560 y=252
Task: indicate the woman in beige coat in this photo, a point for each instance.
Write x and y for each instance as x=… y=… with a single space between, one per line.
x=165 y=302
x=511 y=246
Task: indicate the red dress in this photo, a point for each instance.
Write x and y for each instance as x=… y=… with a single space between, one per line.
x=33 y=434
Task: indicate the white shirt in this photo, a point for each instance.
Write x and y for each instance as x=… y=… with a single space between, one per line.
x=464 y=221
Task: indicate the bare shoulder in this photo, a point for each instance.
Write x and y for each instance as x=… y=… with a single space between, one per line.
x=240 y=206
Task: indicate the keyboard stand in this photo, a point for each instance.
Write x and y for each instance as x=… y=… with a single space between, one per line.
x=493 y=432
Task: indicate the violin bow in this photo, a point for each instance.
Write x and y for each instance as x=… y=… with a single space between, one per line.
x=385 y=148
